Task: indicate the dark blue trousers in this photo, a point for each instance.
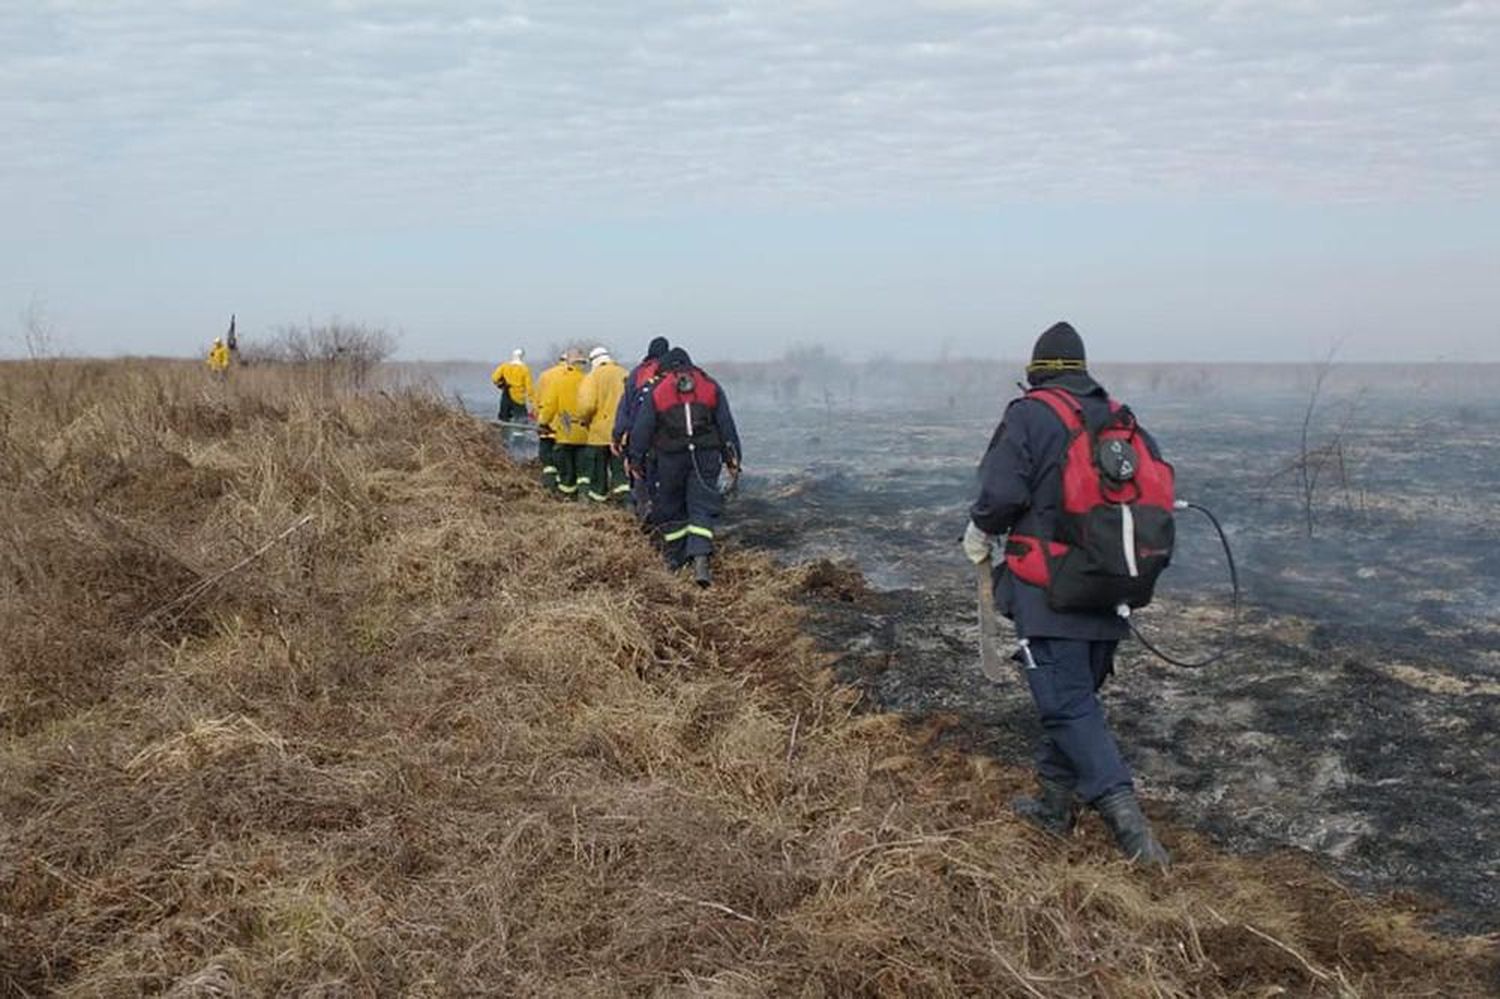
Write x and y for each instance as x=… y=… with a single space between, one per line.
x=643 y=489
x=688 y=503
x=1077 y=749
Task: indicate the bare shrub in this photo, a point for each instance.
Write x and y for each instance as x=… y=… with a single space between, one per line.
x=1324 y=458
x=557 y=348
x=342 y=352
x=38 y=335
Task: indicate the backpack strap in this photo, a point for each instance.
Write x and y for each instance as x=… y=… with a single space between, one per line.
x=1063 y=404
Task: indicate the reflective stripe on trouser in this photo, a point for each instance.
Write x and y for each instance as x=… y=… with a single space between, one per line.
x=688 y=503
x=1076 y=749
x=546 y=452
x=568 y=457
x=606 y=473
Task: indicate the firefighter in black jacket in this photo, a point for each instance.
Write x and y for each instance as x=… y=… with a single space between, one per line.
x=1066 y=655
x=686 y=424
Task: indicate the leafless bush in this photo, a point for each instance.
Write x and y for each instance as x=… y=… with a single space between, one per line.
x=38 y=335
x=344 y=352
x=558 y=348
x=1321 y=459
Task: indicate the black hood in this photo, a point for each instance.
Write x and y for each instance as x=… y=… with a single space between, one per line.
x=676 y=358
x=658 y=348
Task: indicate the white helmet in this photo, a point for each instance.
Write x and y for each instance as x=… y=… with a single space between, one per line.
x=517 y=354
x=599 y=355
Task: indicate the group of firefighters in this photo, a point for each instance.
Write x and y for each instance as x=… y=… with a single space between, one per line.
x=660 y=435
x=657 y=437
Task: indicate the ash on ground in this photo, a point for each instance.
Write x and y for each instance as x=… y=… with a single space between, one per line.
x=1356 y=714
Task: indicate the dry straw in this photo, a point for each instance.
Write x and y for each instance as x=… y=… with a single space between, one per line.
x=315 y=693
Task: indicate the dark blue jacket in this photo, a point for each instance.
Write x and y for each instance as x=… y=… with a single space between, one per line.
x=1020 y=487
x=630 y=402
x=643 y=430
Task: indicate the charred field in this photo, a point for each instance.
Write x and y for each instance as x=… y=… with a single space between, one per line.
x=312 y=691
x=1355 y=716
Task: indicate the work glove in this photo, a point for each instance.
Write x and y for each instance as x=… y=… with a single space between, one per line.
x=978 y=546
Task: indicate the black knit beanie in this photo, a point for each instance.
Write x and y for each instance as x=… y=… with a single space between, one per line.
x=1060 y=348
x=676 y=358
x=658 y=348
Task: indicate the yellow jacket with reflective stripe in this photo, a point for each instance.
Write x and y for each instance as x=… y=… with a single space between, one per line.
x=558 y=405
x=517 y=380
x=599 y=398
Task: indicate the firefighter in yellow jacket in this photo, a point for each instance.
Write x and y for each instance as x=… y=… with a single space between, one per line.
x=598 y=400
x=513 y=379
x=218 y=359
x=557 y=409
x=546 y=442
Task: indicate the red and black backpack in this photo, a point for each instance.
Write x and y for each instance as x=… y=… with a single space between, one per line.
x=1114 y=530
x=646 y=373
x=685 y=400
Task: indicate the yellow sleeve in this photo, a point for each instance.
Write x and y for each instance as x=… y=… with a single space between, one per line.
x=588 y=398
x=526 y=395
x=547 y=407
x=497 y=374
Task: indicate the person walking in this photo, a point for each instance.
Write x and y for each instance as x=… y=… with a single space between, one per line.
x=637 y=386
x=558 y=409
x=218 y=359
x=546 y=438
x=686 y=422
x=599 y=398
x=513 y=379
x=1067 y=654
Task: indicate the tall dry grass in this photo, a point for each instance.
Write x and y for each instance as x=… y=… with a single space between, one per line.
x=313 y=693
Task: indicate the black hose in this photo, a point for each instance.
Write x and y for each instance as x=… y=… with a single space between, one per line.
x=1234 y=620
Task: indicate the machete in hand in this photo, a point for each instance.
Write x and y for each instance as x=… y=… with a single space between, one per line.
x=990 y=662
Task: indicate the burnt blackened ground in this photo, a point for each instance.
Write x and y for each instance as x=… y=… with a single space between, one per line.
x=1356 y=714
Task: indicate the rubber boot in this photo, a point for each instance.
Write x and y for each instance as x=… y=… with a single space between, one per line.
x=1121 y=811
x=1052 y=810
x=702 y=574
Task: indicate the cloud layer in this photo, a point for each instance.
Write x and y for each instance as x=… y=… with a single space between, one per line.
x=192 y=113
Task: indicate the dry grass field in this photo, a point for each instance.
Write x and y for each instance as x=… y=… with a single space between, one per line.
x=308 y=692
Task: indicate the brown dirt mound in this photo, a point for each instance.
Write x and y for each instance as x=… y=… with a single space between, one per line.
x=320 y=695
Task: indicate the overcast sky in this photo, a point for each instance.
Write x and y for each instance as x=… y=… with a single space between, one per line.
x=1197 y=180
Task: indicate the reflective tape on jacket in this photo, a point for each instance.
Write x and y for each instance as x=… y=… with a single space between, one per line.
x=701 y=532
x=676 y=535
